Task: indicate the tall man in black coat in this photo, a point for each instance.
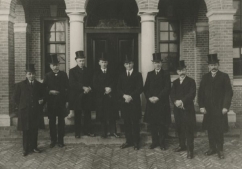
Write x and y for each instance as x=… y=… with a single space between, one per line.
x=130 y=86
x=80 y=80
x=214 y=99
x=157 y=88
x=28 y=97
x=183 y=93
x=105 y=88
x=56 y=86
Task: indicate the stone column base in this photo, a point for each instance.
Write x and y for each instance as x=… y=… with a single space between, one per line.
x=4 y=120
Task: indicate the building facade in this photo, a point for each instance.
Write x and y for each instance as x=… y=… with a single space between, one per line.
x=180 y=29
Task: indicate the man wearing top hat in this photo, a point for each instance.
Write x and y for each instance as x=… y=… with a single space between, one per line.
x=80 y=80
x=56 y=86
x=28 y=97
x=182 y=95
x=105 y=87
x=157 y=88
x=214 y=99
x=130 y=86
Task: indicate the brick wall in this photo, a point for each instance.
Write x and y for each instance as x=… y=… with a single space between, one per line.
x=237 y=99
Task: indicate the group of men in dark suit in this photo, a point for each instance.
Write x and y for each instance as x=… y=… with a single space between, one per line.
x=123 y=93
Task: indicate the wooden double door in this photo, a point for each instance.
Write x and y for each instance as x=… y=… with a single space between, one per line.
x=115 y=46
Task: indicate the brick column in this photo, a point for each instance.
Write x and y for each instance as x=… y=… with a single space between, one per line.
x=6 y=65
x=221 y=37
x=147 y=40
x=21 y=34
x=76 y=33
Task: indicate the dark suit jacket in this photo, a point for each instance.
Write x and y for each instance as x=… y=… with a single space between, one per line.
x=159 y=86
x=106 y=104
x=132 y=86
x=61 y=84
x=79 y=78
x=185 y=92
x=214 y=95
x=26 y=98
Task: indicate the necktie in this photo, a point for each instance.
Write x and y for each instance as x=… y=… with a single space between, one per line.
x=104 y=71
x=128 y=73
x=156 y=72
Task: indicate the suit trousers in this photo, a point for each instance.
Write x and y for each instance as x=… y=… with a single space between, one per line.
x=30 y=138
x=53 y=130
x=185 y=130
x=158 y=133
x=86 y=121
x=216 y=139
x=108 y=126
x=132 y=130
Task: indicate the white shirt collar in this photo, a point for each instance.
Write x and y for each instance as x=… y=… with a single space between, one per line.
x=130 y=71
x=182 y=78
x=104 y=69
x=31 y=81
x=157 y=70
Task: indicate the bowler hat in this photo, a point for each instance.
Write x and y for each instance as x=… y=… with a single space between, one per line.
x=103 y=57
x=80 y=54
x=53 y=59
x=128 y=59
x=157 y=57
x=213 y=58
x=181 y=65
x=30 y=68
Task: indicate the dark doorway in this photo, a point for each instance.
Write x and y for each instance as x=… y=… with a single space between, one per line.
x=115 y=45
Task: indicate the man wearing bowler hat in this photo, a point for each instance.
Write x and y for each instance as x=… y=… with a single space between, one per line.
x=105 y=88
x=214 y=99
x=157 y=88
x=57 y=86
x=80 y=80
x=130 y=86
x=28 y=97
x=182 y=95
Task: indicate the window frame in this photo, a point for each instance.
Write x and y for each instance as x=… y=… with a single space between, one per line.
x=43 y=42
x=158 y=41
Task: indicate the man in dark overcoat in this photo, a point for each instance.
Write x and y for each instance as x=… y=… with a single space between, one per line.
x=182 y=95
x=56 y=85
x=130 y=86
x=214 y=99
x=80 y=80
x=157 y=88
x=28 y=97
x=105 y=88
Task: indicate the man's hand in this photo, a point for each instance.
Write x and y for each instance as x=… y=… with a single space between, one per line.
x=127 y=98
x=54 y=92
x=153 y=99
x=107 y=90
x=178 y=103
x=224 y=111
x=41 y=101
x=86 y=89
x=67 y=104
x=203 y=110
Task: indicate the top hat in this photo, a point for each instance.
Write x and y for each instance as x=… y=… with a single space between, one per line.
x=181 y=65
x=30 y=68
x=128 y=59
x=213 y=58
x=157 y=57
x=80 y=54
x=53 y=59
x=103 y=57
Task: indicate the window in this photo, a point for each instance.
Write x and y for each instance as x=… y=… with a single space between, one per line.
x=237 y=38
x=168 y=42
x=55 y=42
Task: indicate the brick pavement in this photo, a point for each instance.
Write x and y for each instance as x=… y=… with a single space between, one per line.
x=82 y=156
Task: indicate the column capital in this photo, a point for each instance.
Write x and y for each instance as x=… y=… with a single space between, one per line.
x=219 y=15
x=22 y=28
x=76 y=15
x=148 y=15
x=201 y=26
x=5 y=15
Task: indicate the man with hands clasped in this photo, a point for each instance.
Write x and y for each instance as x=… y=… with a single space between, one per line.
x=183 y=93
x=214 y=99
x=157 y=88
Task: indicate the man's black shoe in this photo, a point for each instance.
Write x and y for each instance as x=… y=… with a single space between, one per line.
x=52 y=144
x=113 y=135
x=77 y=136
x=179 y=149
x=163 y=147
x=220 y=154
x=104 y=136
x=210 y=152
x=61 y=145
x=36 y=150
x=90 y=134
x=152 y=146
x=125 y=145
x=136 y=147
x=189 y=154
x=25 y=153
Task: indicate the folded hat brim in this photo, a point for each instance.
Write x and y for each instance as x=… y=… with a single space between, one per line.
x=158 y=60
x=212 y=62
